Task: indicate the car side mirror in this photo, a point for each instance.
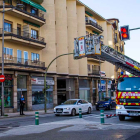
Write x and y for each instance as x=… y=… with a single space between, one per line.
x=79 y=103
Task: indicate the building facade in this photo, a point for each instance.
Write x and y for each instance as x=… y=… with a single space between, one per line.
x=41 y=31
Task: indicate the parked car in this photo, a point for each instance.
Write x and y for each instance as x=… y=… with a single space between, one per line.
x=71 y=107
x=106 y=103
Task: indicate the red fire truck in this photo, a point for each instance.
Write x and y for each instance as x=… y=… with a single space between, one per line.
x=128 y=96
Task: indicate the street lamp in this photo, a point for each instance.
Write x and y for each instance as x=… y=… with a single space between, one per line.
x=2 y=86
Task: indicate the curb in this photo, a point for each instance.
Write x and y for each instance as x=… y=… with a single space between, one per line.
x=20 y=116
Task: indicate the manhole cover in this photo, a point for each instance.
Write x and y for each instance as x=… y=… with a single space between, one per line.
x=92 y=128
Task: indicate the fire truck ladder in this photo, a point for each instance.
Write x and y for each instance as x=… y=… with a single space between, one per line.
x=119 y=60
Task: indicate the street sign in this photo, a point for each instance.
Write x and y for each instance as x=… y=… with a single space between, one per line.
x=2 y=78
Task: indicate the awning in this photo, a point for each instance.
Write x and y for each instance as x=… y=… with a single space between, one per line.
x=33 y=24
x=34 y=5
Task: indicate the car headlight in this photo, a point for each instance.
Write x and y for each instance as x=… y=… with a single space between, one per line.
x=118 y=107
x=67 y=108
x=54 y=108
x=106 y=103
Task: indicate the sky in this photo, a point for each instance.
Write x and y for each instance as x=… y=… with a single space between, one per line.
x=128 y=13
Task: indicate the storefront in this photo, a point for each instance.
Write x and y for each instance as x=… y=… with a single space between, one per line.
x=103 y=88
x=8 y=92
x=84 y=90
x=38 y=95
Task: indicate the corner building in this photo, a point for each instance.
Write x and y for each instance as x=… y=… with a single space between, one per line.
x=34 y=36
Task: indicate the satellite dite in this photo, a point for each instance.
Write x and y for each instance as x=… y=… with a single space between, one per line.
x=85 y=46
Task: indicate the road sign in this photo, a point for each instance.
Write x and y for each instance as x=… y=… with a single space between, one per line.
x=2 y=78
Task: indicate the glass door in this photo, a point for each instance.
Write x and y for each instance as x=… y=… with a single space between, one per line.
x=19 y=56
x=25 y=58
x=19 y=93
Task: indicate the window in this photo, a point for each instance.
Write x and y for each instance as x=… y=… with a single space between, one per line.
x=26 y=57
x=19 y=29
x=34 y=10
x=35 y=57
x=25 y=6
x=34 y=34
x=88 y=67
x=8 y=53
x=7 y=27
x=8 y=2
x=19 y=56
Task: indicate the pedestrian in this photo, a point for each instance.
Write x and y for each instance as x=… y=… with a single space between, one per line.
x=22 y=102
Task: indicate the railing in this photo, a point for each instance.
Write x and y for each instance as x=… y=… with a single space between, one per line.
x=22 y=35
x=40 y=14
x=90 y=22
x=23 y=62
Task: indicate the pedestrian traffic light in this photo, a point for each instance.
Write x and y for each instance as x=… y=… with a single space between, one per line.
x=125 y=34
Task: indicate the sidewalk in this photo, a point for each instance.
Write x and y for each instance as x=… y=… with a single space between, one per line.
x=27 y=113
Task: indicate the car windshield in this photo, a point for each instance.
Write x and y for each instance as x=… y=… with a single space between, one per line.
x=70 y=102
x=105 y=99
x=129 y=84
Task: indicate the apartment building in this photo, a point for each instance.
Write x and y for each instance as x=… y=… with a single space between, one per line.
x=118 y=43
x=34 y=36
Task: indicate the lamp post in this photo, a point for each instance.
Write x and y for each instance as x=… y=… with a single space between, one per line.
x=2 y=86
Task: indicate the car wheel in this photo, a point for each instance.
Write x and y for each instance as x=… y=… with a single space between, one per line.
x=57 y=115
x=73 y=112
x=89 y=110
x=121 y=117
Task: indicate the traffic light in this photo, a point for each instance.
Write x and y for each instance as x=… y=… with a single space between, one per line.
x=125 y=33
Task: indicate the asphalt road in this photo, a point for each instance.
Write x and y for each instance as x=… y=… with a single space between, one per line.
x=70 y=128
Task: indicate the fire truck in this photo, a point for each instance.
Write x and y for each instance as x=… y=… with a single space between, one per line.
x=128 y=96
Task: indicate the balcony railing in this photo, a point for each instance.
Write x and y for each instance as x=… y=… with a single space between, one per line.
x=90 y=22
x=23 y=62
x=22 y=35
x=95 y=70
x=40 y=14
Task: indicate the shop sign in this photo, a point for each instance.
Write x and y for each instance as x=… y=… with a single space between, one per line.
x=36 y=81
x=102 y=73
x=103 y=85
x=109 y=84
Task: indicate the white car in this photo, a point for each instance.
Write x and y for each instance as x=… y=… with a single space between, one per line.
x=71 y=107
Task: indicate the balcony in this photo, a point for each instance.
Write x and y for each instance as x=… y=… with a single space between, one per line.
x=23 y=38
x=95 y=71
x=20 y=63
x=90 y=24
x=25 y=15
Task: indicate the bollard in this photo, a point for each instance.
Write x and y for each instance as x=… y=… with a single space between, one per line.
x=80 y=113
x=36 y=118
x=102 y=116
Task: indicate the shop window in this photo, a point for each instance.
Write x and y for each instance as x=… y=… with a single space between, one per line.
x=34 y=34
x=84 y=83
x=21 y=82
x=35 y=57
x=8 y=2
x=85 y=94
x=38 y=97
x=8 y=53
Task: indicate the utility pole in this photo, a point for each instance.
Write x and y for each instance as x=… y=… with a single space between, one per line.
x=100 y=79
x=2 y=85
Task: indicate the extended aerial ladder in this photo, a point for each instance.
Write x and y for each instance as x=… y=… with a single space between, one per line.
x=92 y=48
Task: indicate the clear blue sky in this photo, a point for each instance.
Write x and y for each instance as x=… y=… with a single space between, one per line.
x=128 y=13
